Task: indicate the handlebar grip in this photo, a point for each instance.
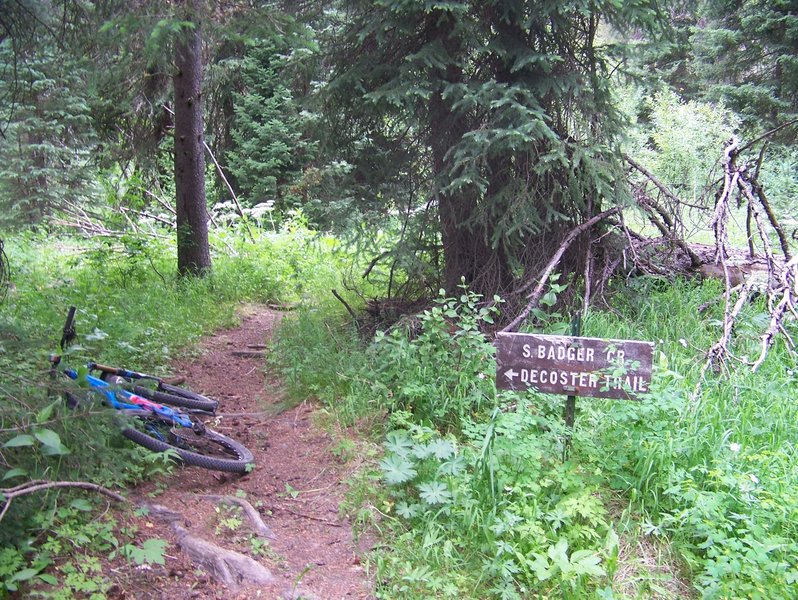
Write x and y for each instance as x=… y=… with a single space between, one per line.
x=93 y=366
x=68 y=334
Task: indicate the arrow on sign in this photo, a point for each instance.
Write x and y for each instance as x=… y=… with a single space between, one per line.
x=511 y=374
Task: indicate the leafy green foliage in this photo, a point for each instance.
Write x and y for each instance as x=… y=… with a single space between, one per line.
x=150 y=552
x=507 y=513
x=682 y=142
x=46 y=151
x=501 y=111
x=709 y=470
x=441 y=375
x=747 y=52
x=473 y=491
x=480 y=502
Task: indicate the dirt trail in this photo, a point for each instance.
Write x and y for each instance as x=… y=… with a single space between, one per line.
x=297 y=486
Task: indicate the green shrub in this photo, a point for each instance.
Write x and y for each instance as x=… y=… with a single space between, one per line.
x=444 y=374
x=479 y=503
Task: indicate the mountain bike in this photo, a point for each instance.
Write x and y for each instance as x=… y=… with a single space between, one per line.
x=159 y=424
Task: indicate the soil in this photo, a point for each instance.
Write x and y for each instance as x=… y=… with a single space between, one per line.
x=297 y=486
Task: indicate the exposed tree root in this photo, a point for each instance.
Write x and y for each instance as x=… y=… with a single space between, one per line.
x=231 y=568
x=255 y=521
x=248 y=353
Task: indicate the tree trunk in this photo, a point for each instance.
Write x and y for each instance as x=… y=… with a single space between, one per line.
x=193 y=252
x=467 y=251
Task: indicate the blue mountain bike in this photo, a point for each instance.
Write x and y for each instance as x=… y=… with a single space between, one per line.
x=159 y=424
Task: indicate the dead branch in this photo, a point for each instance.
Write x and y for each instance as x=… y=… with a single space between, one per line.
x=129 y=221
x=161 y=201
x=652 y=178
x=781 y=287
x=760 y=193
x=768 y=134
x=787 y=303
x=232 y=193
x=660 y=219
x=310 y=517
x=345 y=303
x=536 y=294
x=248 y=353
x=5 y=273
x=147 y=215
x=30 y=487
x=374 y=262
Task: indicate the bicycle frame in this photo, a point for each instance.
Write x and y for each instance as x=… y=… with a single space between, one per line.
x=162 y=426
x=121 y=399
x=126 y=373
x=118 y=398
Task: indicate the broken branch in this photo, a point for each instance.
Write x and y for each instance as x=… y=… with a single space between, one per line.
x=534 y=297
x=36 y=486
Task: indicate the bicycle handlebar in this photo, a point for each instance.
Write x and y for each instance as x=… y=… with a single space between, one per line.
x=93 y=366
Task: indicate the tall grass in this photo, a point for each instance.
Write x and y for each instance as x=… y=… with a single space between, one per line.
x=711 y=465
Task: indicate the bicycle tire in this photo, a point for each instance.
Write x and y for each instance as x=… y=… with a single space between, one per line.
x=195 y=401
x=242 y=462
x=180 y=391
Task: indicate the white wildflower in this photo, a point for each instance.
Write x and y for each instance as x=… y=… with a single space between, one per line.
x=734 y=447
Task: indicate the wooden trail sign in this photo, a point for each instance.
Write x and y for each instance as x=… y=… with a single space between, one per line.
x=576 y=366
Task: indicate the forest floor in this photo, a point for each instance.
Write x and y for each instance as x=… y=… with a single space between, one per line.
x=297 y=485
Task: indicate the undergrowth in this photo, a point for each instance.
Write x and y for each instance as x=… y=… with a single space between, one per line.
x=475 y=499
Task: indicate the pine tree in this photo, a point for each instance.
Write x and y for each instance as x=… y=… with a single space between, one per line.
x=270 y=141
x=508 y=105
x=747 y=55
x=193 y=251
x=46 y=149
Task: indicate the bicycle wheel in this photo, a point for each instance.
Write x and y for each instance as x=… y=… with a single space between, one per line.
x=187 y=400
x=208 y=449
x=180 y=391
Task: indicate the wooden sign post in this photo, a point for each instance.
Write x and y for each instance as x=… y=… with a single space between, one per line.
x=573 y=365
x=576 y=366
x=570 y=401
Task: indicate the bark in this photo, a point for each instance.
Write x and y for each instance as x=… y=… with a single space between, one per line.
x=193 y=252
x=466 y=248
